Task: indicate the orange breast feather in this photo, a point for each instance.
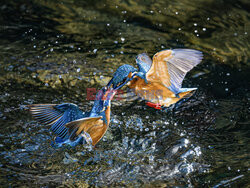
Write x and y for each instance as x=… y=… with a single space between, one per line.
x=155 y=92
x=97 y=132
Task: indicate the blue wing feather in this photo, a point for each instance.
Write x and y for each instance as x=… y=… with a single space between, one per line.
x=56 y=116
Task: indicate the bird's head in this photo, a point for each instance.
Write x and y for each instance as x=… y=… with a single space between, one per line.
x=121 y=76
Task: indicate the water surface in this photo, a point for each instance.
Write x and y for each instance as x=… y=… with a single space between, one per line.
x=52 y=51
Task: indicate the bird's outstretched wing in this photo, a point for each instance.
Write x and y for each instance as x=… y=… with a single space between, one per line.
x=91 y=127
x=56 y=116
x=170 y=67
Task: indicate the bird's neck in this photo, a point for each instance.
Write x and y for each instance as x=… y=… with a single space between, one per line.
x=99 y=106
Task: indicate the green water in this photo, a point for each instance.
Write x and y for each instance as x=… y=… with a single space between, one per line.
x=52 y=51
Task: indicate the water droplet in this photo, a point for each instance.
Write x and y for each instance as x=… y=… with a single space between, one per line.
x=124 y=21
x=34 y=46
x=197 y=151
x=226 y=89
x=51 y=49
x=122 y=39
x=228 y=74
x=95 y=50
x=78 y=70
x=108 y=24
x=179 y=29
x=151 y=159
x=204 y=29
x=151 y=11
x=186 y=141
x=116 y=42
x=196 y=31
x=115 y=121
x=195 y=24
x=176 y=13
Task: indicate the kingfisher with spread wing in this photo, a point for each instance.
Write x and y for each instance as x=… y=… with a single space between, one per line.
x=71 y=125
x=159 y=81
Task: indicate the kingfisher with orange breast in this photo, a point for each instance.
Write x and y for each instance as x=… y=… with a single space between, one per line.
x=71 y=125
x=159 y=81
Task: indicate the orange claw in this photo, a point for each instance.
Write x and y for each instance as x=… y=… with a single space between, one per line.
x=153 y=105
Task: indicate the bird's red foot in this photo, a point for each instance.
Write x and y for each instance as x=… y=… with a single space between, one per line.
x=153 y=105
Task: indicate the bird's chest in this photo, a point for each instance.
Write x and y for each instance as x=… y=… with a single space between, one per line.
x=153 y=91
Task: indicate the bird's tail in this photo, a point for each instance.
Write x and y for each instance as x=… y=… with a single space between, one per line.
x=186 y=92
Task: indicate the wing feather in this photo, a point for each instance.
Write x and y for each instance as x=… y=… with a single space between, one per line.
x=56 y=116
x=93 y=126
x=171 y=66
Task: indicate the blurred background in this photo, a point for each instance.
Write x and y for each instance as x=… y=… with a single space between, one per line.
x=51 y=51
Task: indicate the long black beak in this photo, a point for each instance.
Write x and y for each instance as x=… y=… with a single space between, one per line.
x=124 y=83
x=110 y=83
x=119 y=86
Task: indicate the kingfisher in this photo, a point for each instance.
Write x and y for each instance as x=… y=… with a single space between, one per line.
x=159 y=81
x=71 y=125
